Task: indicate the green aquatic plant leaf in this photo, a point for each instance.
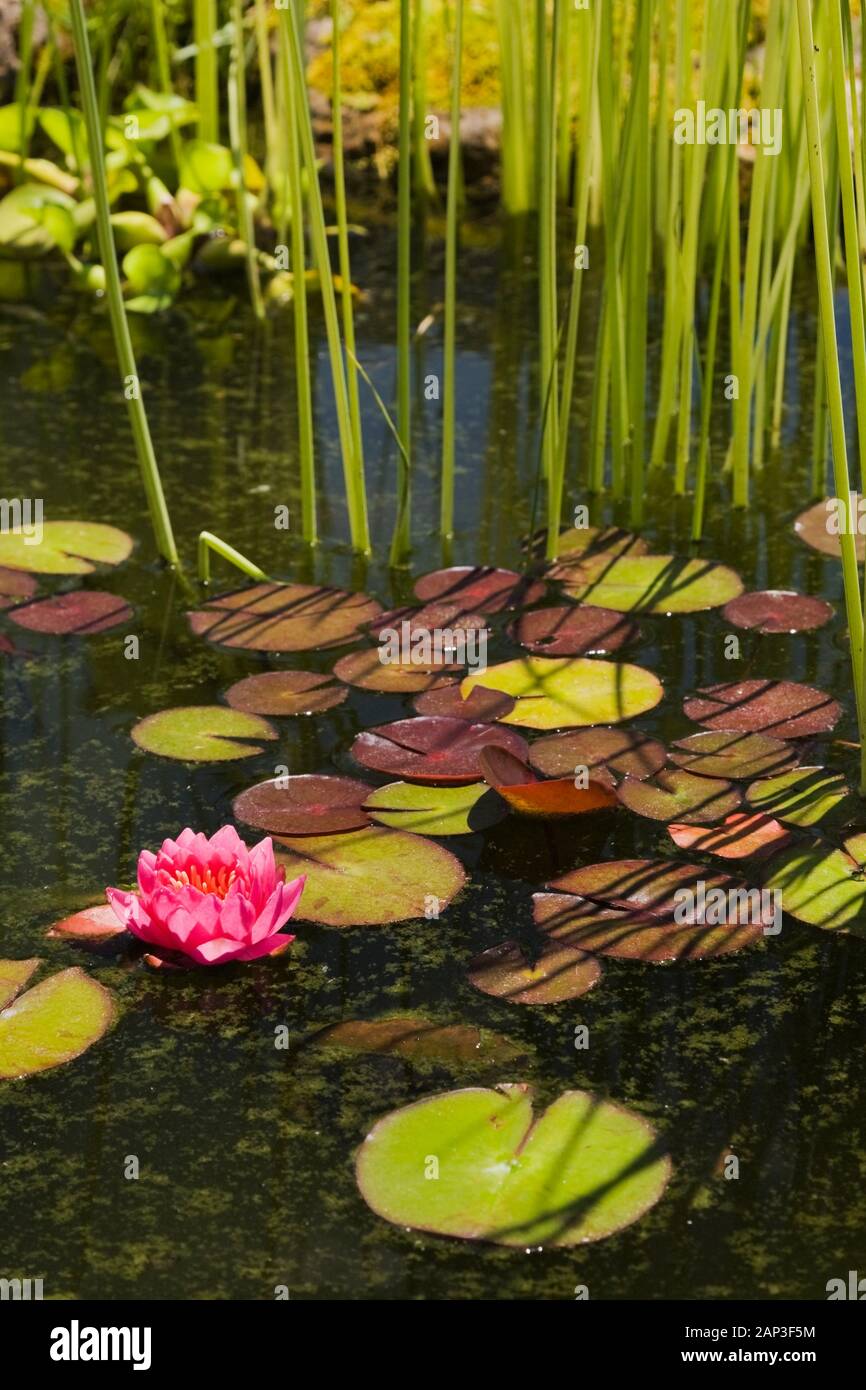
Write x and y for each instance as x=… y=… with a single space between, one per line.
x=676 y=795
x=459 y=810
x=419 y=1040
x=561 y=693
x=65 y=547
x=51 y=1023
x=202 y=734
x=652 y=584
x=557 y=972
x=581 y=1171
x=823 y=886
x=739 y=756
x=35 y=218
x=150 y=271
x=803 y=796
x=370 y=878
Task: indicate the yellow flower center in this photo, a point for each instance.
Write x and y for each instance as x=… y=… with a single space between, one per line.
x=206 y=881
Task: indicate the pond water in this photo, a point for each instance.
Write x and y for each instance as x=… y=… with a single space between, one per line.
x=246 y=1151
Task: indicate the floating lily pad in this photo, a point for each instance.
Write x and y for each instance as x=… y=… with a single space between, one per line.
x=559 y=972
x=561 y=693
x=813 y=527
x=574 y=631
x=740 y=837
x=607 y=754
x=96 y=923
x=589 y=543
x=680 y=796
x=822 y=886
x=372 y=878
x=66 y=547
x=366 y=670
x=80 y=613
x=529 y=795
x=446 y=810
x=304 y=805
x=7 y=647
x=283 y=693
x=431 y=748
x=581 y=1171
x=778 y=610
x=284 y=618
x=738 y=756
x=628 y=908
x=653 y=584
x=480 y=707
x=803 y=797
x=477 y=588
x=419 y=1040
x=784 y=709
x=202 y=733
x=52 y=1023
x=429 y=618
x=15 y=585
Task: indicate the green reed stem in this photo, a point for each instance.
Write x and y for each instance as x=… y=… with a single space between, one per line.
x=266 y=80
x=425 y=184
x=516 y=184
x=163 y=68
x=343 y=237
x=237 y=103
x=546 y=69
x=401 y=539
x=208 y=542
x=206 y=69
x=120 y=328
x=449 y=385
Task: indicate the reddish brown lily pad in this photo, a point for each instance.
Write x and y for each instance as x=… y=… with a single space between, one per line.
x=284 y=618
x=478 y=588
x=304 y=805
x=740 y=837
x=607 y=754
x=367 y=671
x=432 y=749
x=429 y=618
x=738 y=756
x=481 y=705
x=526 y=793
x=681 y=796
x=573 y=631
x=97 y=923
x=784 y=709
x=814 y=527
x=286 y=693
x=7 y=647
x=778 y=610
x=15 y=585
x=79 y=613
x=559 y=972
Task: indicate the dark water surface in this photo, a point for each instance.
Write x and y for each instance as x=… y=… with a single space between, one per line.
x=245 y=1151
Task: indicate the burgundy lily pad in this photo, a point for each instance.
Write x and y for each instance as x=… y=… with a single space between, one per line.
x=628 y=909
x=742 y=836
x=97 y=923
x=7 y=647
x=738 y=756
x=286 y=693
x=784 y=709
x=481 y=706
x=559 y=972
x=528 y=794
x=366 y=670
x=284 y=618
x=79 y=613
x=680 y=796
x=428 y=618
x=15 y=585
x=432 y=749
x=778 y=610
x=419 y=1040
x=573 y=631
x=304 y=805
x=607 y=754
x=813 y=528
x=478 y=588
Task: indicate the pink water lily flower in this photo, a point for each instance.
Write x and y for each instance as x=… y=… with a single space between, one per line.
x=213 y=899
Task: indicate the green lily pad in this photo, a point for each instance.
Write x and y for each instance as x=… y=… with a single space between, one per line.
x=435 y=810
x=202 y=733
x=735 y=755
x=419 y=1040
x=581 y=1171
x=675 y=795
x=824 y=887
x=562 y=693
x=804 y=796
x=653 y=584
x=66 y=547
x=371 y=877
x=52 y=1023
x=559 y=972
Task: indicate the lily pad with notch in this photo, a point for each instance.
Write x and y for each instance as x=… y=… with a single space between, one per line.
x=778 y=610
x=448 y=810
x=273 y=617
x=564 y=692
x=53 y=1022
x=557 y=972
x=676 y=795
x=285 y=693
x=430 y=617
x=481 y=706
x=739 y=756
x=15 y=585
x=531 y=795
x=783 y=709
x=432 y=748
x=573 y=631
x=608 y=755
x=65 y=547
x=306 y=804
x=203 y=734
x=366 y=670
x=823 y=886
x=419 y=1040
x=653 y=584
x=740 y=836
x=804 y=797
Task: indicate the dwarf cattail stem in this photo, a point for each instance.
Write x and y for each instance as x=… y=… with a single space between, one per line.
x=639 y=240
x=294 y=199
x=353 y=471
x=237 y=104
x=266 y=80
x=114 y=294
x=163 y=68
x=206 y=69
x=343 y=234
x=23 y=95
x=425 y=184
x=208 y=542
x=401 y=539
x=446 y=502
x=824 y=268
x=545 y=114
x=516 y=189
